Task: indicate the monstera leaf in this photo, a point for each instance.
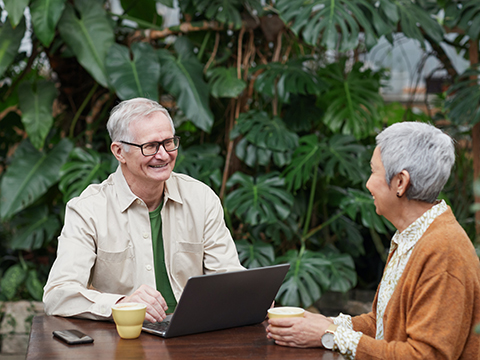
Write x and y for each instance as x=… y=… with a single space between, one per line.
x=357 y=201
x=89 y=35
x=292 y=77
x=306 y=159
x=341 y=154
x=133 y=76
x=226 y=11
x=30 y=175
x=258 y=200
x=84 y=167
x=336 y=23
x=45 y=16
x=264 y=138
x=463 y=99
x=353 y=100
x=36 y=101
x=202 y=162
x=34 y=228
x=183 y=78
x=10 y=40
x=224 y=82
x=15 y=10
x=255 y=254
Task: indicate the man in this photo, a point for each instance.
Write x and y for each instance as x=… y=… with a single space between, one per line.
x=139 y=235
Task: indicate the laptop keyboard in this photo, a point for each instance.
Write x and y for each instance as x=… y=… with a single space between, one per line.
x=158 y=326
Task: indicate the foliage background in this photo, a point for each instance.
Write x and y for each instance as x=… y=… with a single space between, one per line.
x=275 y=111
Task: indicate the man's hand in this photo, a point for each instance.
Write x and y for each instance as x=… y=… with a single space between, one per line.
x=298 y=332
x=156 y=305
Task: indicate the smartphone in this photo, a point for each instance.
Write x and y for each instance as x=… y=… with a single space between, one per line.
x=72 y=337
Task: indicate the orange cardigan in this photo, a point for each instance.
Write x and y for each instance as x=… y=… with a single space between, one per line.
x=435 y=305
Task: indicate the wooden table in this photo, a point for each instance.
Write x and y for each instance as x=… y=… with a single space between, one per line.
x=248 y=342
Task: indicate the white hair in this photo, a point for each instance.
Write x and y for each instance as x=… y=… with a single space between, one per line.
x=426 y=152
x=123 y=114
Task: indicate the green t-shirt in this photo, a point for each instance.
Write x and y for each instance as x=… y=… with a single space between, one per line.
x=161 y=276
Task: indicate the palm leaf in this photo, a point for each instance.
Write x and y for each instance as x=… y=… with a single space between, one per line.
x=36 y=101
x=258 y=200
x=10 y=40
x=463 y=99
x=226 y=11
x=133 y=76
x=255 y=254
x=224 y=83
x=88 y=35
x=45 y=16
x=30 y=175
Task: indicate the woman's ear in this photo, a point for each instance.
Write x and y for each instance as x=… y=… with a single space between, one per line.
x=117 y=151
x=402 y=182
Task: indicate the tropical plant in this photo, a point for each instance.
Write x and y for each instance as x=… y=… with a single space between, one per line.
x=274 y=110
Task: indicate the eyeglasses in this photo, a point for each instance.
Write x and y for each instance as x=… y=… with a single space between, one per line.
x=151 y=148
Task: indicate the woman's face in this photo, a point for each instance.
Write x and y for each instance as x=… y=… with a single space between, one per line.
x=384 y=196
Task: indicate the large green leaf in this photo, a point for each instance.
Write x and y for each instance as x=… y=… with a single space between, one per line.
x=337 y=23
x=36 y=101
x=306 y=159
x=89 y=35
x=34 y=228
x=468 y=18
x=144 y=10
x=10 y=40
x=202 y=162
x=306 y=279
x=292 y=77
x=258 y=200
x=45 y=16
x=353 y=101
x=84 y=167
x=226 y=11
x=255 y=254
x=15 y=9
x=340 y=154
x=463 y=99
x=183 y=78
x=29 y=176
x=360 y=202
x=224 y=82
x=11 y=281
x=264 y=138
x=133 y=75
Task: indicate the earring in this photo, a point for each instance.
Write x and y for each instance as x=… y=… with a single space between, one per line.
x=398 y=194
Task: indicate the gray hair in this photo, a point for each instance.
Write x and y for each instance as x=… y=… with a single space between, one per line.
x=426 y=152
x=128 y=111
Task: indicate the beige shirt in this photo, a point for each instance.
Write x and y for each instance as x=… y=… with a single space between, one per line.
x=105 y=248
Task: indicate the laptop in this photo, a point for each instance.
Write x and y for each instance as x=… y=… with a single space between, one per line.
x=221 y=301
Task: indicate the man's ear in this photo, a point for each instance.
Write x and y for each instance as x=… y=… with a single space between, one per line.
x=117 y=151
x=402 y=182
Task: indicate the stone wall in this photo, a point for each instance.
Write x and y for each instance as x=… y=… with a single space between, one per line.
x=16 y=320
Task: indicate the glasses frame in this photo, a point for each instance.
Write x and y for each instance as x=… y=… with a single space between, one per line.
x=159 y=143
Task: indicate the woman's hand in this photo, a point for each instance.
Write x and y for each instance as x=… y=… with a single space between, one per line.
x=298 y=332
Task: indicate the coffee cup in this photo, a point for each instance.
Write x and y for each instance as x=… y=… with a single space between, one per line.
x=129 y=319
x=285 y=312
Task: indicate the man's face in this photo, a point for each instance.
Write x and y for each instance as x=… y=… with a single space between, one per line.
x=144 y=170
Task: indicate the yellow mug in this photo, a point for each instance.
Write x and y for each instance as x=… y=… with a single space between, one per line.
x=129 y=319
x=285 y=312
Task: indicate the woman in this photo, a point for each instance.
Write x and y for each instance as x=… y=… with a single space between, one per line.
x=429 y=298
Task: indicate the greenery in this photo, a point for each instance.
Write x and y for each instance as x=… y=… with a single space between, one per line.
x=274 y=109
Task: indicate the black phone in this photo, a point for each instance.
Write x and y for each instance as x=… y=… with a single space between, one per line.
x=73 y=337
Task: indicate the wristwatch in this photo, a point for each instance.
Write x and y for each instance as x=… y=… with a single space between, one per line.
x=328 y=339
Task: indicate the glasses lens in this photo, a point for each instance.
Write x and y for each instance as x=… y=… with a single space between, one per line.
x=150 y=148
x=171 y=144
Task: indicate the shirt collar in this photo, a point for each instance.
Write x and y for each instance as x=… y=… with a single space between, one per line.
x=410 y=236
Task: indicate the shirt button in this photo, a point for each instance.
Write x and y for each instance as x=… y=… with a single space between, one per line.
x=145 y=235
x=148 y=267
x=139 y=202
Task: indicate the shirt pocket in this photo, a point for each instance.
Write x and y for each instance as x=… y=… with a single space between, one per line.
x=188 y=261
x=114 y=271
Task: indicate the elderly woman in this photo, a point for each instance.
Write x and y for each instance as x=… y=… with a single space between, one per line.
x=429 y=298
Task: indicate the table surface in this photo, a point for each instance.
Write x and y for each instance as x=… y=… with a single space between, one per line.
x=236 y=343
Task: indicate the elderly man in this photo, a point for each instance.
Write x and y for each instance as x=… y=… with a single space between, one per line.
x=140 y=234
